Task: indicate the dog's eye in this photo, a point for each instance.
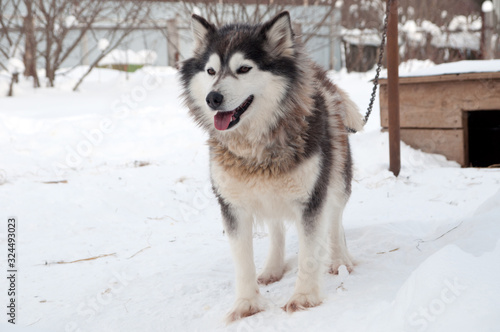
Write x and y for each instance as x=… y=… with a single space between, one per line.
x=243 y=69
x=211 y=71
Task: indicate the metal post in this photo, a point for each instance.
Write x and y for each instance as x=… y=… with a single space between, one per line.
x=393 y=89
x=335 y=40
x=487 y=30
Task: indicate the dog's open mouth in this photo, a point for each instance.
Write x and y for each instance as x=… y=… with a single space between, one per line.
x=225 y=120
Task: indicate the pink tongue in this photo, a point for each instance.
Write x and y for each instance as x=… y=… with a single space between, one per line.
x=222 y=120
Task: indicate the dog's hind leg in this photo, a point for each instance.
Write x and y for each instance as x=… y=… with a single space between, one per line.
x=275 y=264
x=341 y=190
x=248 y=300
x=339 y=253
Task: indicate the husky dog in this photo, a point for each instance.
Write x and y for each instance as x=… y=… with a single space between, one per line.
x=279 y=151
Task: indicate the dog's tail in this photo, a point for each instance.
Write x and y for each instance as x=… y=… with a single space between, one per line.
x=353 y=118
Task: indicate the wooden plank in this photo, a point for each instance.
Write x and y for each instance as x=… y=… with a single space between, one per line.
x=448 y=142
x=465 y=116
x=440 y=105
x=446 y=78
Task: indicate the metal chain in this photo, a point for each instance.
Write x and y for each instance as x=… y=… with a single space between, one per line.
x=379 y=66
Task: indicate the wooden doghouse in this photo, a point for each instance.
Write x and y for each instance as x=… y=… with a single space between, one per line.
x=451 y=109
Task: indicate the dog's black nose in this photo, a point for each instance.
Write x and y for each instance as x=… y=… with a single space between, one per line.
x=214 y=99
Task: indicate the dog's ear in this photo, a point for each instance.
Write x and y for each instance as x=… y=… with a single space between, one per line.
x=200 y=29
x=279 y=35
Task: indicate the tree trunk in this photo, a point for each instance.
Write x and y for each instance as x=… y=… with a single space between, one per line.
x=14 y=79
x=51 y=76
x=49 y=68
x=30 y=50
x=173 y=42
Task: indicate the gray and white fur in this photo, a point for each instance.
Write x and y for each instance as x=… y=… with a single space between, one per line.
x=279 y=151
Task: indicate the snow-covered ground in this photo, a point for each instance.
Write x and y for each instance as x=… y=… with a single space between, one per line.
x=119 y=231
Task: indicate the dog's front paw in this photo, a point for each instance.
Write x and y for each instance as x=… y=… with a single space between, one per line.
x=244 y=308
x=268 y=277
x=338 y=262
x=301 y=302
x=334 y=267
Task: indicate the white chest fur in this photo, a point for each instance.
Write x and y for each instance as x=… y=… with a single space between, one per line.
x=269 y=197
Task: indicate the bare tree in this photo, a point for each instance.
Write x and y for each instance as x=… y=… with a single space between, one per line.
x=425 y=19
x=363 y=14
x=233 y=11
x=10 y=29
x=310 y=16
x=57 y=18
x=17 y=23
x=369 y=13
x=65 y=24
x=137 y=14
x=10 y=37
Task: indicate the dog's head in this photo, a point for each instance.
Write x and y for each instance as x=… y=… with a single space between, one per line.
x=240 y=74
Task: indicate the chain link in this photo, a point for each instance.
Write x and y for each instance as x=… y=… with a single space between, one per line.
x=379 y=66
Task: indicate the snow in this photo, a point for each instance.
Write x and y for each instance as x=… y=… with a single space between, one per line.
x=415 y=35
x=465 y=23
x=459 y=67
x=458 y=40
x=197 y=11
x=133 y=184
x=369 y=37
x=70 y=21
x=143 y=57
x=487 y=6
x=103 y=44
x=15 y=65
x=410 y=26
x=431 y=28
x=463 y=33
